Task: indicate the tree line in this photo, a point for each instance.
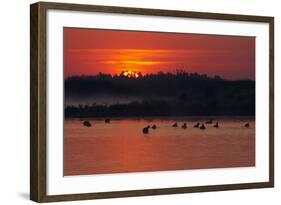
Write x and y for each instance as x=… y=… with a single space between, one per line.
x=161 y=94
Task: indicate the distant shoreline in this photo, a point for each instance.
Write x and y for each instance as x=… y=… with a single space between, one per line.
x=168 y=118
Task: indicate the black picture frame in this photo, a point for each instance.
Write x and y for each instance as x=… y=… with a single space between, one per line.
x=38 y=86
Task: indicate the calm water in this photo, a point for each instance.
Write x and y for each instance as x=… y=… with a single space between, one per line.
x=120 y=146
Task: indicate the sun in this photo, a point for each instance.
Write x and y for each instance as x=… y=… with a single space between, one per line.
x=131 y=74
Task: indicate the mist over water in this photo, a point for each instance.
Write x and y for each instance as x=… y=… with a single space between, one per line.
x=100 y=100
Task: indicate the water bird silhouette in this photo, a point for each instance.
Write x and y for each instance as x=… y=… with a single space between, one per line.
x=197 y=125
x=87 y=124
x=175 y=124
x=154 y=127
x=216 y=125
x=184 y=126
x=247 y=125
x=202 y=127
x=145 y=130
x=107 y=121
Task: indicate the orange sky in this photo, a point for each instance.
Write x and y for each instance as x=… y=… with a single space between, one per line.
x=90 y=51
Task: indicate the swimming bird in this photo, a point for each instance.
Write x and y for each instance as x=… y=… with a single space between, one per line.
x=184 y=126
x=197 y=125
x=154 y=127
x=107 y=121
x=175 y=125
x=216 y=125
x=209 y=121
x=145 y=130
x=247 y=125
x=87 y=124
x=202 y=127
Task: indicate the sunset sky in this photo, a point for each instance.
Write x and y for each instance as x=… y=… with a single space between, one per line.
x=90 y=51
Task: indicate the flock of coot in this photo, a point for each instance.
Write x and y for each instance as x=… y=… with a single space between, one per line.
x=145 y=130
x=87 y=123
x=198 y=125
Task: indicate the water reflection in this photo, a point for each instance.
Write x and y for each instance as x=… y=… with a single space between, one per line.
x=121 y=146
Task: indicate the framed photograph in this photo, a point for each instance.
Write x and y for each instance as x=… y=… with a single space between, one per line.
x=134 y=102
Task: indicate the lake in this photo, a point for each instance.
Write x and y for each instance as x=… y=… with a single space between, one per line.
x=121 y=147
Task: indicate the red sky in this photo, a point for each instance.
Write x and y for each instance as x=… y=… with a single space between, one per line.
x=90 y=51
